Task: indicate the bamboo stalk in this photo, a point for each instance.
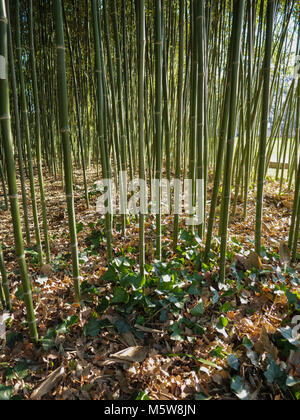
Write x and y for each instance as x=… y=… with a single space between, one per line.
x=179 y=113
x=38 y=133
x=141 y=41
x=235 y=60
x=264 y=124
x=11 y=176
x=65 y=136
x=27 y=139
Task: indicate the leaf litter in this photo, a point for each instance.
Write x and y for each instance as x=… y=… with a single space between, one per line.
x=178 y=335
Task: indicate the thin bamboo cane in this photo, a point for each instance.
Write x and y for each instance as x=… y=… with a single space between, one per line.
x=27 y=138
x=17 y=126
x=158 y=118
x=5 y=284
x=235 y=61
x=264 y=124
x=141 y=41
x=11 y=176
x=38 y=133
x=179 y=112
x=65 y=135
x=104 y=161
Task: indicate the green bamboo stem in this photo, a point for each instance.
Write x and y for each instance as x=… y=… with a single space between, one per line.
x=5 y=284
x=264 y=124
x=4 y=186
x=38 y=133
x=200 y=30
x=235 y=61
x=179 y=113
x=17 y=126
x=11 y=176
x=158 y=118
x=65 y=135
x=141 y=41
x=100 y=98
x=120 y=109
x=78 y=113
x=27 y=138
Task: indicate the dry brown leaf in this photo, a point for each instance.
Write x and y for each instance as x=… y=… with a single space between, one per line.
x=129 y=339
x=264 y=345
x=285 y=253
x=254 y=261
x=51 y=382
x=146 y=329
x=46 y=270
x=240 y=262
x=131 y=354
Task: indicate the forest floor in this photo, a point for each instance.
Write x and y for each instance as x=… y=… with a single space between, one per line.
x=175 y=335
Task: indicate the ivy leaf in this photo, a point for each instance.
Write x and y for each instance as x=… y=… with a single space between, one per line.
x=291 y=381
x=103 y=305
x=149 y=303
x=223 y=322
x=198 y=329
x=19 y=293
x=194 y=289
x=275 y=374
x=21 y=369
x=137 y=282
x=287 y=333
x=253 y=356
x=122 y=326
x=69 y=322
x=215 y=297
x=164 y=316
x=48 y=341
x=92 y=328
x=176 y=335
x=6 y=392
x=110 y=275
x=79 y=227
x=291 y=297
x=238 y=387
x=120 y=296
x=198 y=310
x=247 y=343
x=226 y=307
x=233 y=362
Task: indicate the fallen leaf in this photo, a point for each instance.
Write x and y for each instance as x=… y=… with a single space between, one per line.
x=285 y=253
x=131 y=354
x=50 y=383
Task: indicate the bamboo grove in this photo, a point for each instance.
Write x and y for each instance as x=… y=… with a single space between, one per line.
x=197 y=89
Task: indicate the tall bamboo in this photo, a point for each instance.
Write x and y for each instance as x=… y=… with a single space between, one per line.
x=141 y=41
x=264 y=123
x=62 y=93
x=38 y=132
x=5 y=284
x=100 y=99
x=123 y=139
x=27 y=137
x=158 y=118
x=200 y=29
x=11 y=175
x=78 y=112
x=179 y=112
x=292 y=236
x=235 y=61
x=18 y=126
